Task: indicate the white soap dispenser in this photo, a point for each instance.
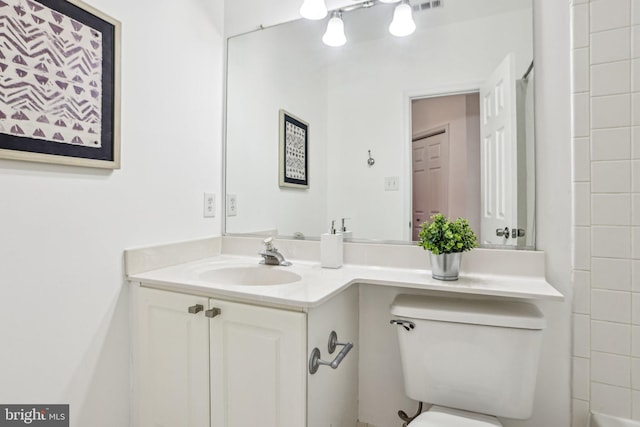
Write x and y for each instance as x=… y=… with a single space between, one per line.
x=331 y=248
x=343 y=230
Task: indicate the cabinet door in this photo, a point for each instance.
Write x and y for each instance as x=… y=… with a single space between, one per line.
x=258 y=366
x=173 y=360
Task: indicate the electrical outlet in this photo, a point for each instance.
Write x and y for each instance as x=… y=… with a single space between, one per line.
x=391 y=183
x=232 y=205
x=209 y=205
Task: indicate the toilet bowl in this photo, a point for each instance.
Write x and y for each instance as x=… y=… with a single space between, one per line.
x=473 y=359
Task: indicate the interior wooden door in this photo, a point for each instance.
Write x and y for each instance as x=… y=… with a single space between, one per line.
x=498 y=153
x=430 y=163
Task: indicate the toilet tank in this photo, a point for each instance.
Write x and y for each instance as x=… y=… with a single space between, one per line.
x=475 y=355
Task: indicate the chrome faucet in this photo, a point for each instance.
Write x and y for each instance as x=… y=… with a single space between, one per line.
x=270 y=254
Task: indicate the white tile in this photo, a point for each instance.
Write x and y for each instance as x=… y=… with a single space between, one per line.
x=609 y=14
x=611 y=144
x=635 y=275
x=635 y=341
x=610 y=78
x=610 y=111
x=611 y=306
x=581 y=70
x=635 y=41
x=635 y=142
x=582 y=248
x=610 y=337
x=611 y=177
x=635 y=12
x=635 y=108
x=611 y=209
x=611 y=273
x=610 y=46
x=635 y=305
x=579 y=413
x=580 y=378
x=635 y=209
x=581 y=292
x=580 y=25
x=635 y=75
x=635 y=176
x=635 y=373
x=581 y=335
x=581 y=162
x=635 y=405
x=581 y=203
x=611 y=242
x=580 y=115
x=611 y=400
x=610 y=369
x=635 y=242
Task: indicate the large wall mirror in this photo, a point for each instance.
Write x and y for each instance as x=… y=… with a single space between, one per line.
x=385 y=130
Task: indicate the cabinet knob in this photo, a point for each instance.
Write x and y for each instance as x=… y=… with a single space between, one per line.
x=196 y=308
x=213 y=312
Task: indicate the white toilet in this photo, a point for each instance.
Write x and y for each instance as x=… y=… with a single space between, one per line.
x=474 y=360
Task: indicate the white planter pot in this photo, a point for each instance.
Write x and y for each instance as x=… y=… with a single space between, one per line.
x=445 y=266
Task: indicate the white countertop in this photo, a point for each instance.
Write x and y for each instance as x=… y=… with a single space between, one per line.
x=319 y=284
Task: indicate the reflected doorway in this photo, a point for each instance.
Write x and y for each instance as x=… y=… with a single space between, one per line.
x=445 y=158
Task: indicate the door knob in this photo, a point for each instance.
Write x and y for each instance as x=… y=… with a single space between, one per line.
x=502 y=232
x=196 y=308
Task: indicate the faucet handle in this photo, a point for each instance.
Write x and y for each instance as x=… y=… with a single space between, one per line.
x=268 y=243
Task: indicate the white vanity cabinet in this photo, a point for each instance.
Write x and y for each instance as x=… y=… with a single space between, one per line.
x=245 y=366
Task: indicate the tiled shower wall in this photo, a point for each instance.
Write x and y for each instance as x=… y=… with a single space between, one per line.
x=606 y=208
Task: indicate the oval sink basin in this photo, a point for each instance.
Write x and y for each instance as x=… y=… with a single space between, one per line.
x=258 y=275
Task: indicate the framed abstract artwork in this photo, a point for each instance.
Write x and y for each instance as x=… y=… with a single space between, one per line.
x=59 y=83
x=294 y=151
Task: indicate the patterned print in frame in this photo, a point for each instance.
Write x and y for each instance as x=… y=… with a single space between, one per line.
x=294 y=151
x=59 y=83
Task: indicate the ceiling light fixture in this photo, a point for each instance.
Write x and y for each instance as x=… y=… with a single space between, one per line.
x=313 y=9
x=334 y=36
x=402 y=24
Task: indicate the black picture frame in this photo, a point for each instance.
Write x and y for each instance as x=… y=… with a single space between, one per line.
x=293 y=168
x=62 y=93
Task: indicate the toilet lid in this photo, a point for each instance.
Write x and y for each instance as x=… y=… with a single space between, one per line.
x=439 y=416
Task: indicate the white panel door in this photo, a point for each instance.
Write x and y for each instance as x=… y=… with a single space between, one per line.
x=258 y=366
x=498 y=154
x=430 y=161
x=172 y=383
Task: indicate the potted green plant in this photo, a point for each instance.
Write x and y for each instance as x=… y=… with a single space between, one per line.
x=446 y=240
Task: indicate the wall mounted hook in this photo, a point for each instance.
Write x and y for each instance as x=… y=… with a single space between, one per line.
x=371 y=161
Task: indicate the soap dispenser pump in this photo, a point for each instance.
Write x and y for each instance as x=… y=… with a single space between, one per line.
x=331 y=248
x=343 y=230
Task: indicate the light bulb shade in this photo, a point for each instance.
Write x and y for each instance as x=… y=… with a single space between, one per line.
x=334 y=36
x=313 y=9
x=402 y=23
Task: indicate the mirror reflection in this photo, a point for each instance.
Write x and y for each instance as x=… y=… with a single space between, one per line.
x=385 y=130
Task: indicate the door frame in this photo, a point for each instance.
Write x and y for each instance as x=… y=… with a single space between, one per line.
x=407 y=98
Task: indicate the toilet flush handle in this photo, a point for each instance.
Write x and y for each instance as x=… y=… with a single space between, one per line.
x=407 y=325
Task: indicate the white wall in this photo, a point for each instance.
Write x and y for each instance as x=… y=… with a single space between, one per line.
x=265 y=77
x=64 y=322
x=606 y=196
